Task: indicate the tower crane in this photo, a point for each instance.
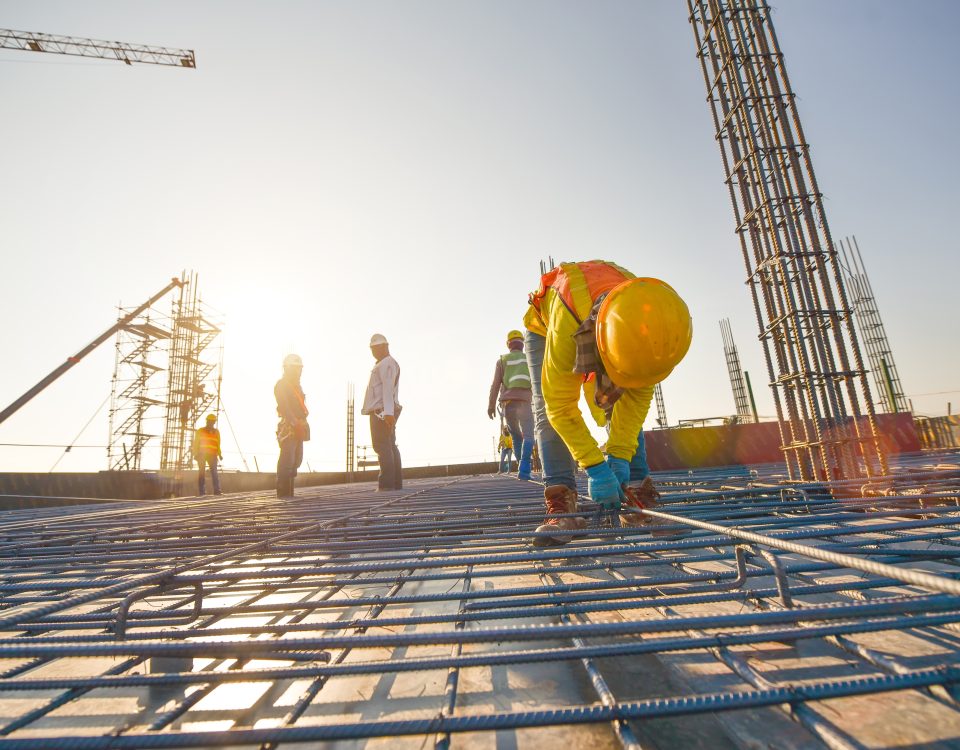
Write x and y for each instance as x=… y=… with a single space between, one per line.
x=79 y=47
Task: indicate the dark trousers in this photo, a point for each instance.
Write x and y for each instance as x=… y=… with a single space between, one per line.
x=384 y=439
x=291 y=456
x=202 y=483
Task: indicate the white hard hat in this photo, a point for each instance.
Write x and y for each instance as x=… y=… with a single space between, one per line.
x=377 y=339
x=292 y=360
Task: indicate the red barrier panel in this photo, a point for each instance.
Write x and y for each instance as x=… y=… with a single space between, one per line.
x=726 y=445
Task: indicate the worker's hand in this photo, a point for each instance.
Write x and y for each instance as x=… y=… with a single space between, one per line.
x=604 y=487
x=620 y=468
x=491 y=413
x=389 y=420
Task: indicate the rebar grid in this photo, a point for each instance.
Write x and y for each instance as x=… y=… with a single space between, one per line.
x=821 y=392
x=345 y=613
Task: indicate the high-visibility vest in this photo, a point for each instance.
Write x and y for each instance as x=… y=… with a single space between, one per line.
x=207 y=442
x=516 y=374
x=579 y=284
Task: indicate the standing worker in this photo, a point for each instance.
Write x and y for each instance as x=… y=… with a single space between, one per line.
x=506 y=447
x=511 y=381
x=380 y=402
x=594 y=326
x=206 y=450
x=293 y=429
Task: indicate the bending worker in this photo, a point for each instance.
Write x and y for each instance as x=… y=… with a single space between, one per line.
x=293 y=430
x=593 y=326
x=206 y=450
x=511 y=381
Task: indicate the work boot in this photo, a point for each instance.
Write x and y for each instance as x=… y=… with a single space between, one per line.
x=559 y=500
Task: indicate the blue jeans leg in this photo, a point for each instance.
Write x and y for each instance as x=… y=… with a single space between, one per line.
x=639 y=470
x=384 y=439
x=519 y=418
x=505 y=460
x=558 y=465
x=215 y=473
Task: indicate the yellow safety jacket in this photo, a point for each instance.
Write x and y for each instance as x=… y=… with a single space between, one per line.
x=563 y=301
x=206 y=442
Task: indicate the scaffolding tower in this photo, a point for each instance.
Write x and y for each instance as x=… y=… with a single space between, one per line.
x=874 y=335
x=820 y=387
x=661 y=409
x=192 y=385
x=134 y=389
x=737 y=383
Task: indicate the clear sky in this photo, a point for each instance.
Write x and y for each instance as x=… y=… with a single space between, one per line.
x=332 y=169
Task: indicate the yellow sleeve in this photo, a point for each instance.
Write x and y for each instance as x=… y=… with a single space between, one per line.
x=629 y=413
x=589 y=393
x=562 y=386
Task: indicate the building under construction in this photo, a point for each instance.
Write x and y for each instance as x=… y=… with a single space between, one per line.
x=798 y=585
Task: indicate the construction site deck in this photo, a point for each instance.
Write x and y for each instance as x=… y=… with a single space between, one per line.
x=774 y=615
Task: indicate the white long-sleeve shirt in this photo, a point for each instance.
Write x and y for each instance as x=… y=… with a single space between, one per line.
x=383 y=388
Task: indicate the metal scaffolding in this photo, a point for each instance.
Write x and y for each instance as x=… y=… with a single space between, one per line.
x=134 y=393
x=737 y=383
x=248 y=620
x=874 y=335
x=193 y=384
x=820 y=388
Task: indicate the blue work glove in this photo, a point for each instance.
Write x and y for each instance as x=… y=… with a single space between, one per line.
x=604 y=487
x=620 y=468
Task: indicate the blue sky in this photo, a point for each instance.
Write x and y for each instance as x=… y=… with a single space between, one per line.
x=335 y=169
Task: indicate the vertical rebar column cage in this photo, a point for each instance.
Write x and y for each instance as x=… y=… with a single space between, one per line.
x=661 y=407
x=351 y=434
x=812 y=353
x=872 y=331
x=134 y=390
x=192 y=385
x=737 y=384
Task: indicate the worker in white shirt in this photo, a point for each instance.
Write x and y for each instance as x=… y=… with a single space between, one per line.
x=380 y=402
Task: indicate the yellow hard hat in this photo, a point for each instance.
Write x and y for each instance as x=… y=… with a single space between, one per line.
x=211 y=417
x=643 y=331
x=514 y=335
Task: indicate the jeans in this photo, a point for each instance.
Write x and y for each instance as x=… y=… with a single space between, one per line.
x=558 y=465
x=202 y=482
x=505 y=461
x=384 y=439
x=291 y=456
x=519 y=418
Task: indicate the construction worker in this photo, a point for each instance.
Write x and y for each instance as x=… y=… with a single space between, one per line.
x=511 y=382
x=594 y=327
x=293 y=430
x=206 y=450
x=380 y=402
x=505 y=446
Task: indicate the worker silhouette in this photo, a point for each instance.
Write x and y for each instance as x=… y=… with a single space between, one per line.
x=206 y=452
x=293 y=429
